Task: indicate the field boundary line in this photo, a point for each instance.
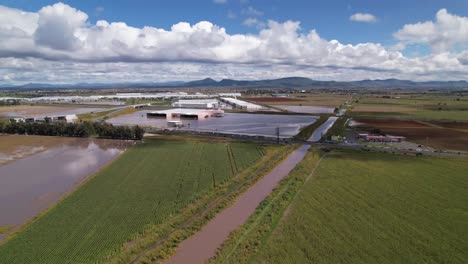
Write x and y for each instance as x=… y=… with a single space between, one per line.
x=286 y=211
x=216 y=202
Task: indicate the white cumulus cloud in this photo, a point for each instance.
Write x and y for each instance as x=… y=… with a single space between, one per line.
x=59 y=44
x=363 y=17
x=252 y=11
x=447 y=31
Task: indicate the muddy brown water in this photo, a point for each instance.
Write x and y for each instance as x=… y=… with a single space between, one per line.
x=322 y=129
x=203 y=245
x=31 y=184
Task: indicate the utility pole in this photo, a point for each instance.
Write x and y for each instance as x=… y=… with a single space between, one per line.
x=277 y=135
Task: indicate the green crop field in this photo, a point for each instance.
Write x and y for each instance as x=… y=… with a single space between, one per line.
x=360 y=207
x=376 y=208
x=145 y=186
x=439 y=107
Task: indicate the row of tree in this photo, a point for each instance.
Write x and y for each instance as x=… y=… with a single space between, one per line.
x=81 y=129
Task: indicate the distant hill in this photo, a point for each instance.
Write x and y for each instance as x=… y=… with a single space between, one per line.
x=301 y=82
x=289 y=82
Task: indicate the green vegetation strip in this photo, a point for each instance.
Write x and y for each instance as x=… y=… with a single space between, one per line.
x=245 y=242
x=338 y=128
x=307 y=131
x=198 y=214
x=148 y=185
x=81 y=129
x=94 y=115
x=367 y=207
x=5 y=229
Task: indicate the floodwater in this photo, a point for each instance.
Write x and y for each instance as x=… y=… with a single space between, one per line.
x=307 y=109
x=202 y=246
x=231 y=123
x=341 y=112
x=322 y=129
x=30 y=184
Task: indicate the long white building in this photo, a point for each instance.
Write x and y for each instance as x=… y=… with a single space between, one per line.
x=205 y=104
x=185 y=113
x=236 y=103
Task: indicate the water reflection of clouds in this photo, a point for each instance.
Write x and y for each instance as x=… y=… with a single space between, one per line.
x=19 y=152
x=89 y=157
x=53 y=170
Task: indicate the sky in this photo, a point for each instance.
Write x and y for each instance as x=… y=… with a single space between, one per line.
x=156 y=41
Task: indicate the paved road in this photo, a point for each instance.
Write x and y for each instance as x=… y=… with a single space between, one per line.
x=202 y=246
x=322 y=129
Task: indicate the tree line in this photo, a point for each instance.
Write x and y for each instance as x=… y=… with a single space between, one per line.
x=81 y=129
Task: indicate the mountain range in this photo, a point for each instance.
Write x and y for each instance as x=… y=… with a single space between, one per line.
x=289 y=82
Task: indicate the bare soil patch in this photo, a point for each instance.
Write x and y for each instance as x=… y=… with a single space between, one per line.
x=382 y=109
x=441 y=137
x=391 y=123
x=455 y=125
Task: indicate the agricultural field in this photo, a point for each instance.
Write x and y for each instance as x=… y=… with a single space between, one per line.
x=365 y=207
x=31 y=110
x=439 y=107
x=147 y=185
x=437 y=135
x=15 y=147
x=323 y=99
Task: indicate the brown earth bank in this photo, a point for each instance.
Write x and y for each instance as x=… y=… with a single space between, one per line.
x=393 y=123
x=456 y=125
x=272 y=99
x=200 y=247
x=438 y=135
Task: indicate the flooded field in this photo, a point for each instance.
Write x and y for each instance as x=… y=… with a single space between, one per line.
x=232 y=123
x=307 y=109
x=16 y=147
x=41 y=111
x=36 y=175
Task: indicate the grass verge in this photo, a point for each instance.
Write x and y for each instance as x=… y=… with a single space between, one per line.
x=160 y=242
x=247 y=240
x=307 y=131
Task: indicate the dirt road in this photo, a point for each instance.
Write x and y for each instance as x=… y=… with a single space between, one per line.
x=202 y=246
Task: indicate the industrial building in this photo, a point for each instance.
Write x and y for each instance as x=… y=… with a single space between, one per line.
x=120 y=96
x=183 y=113
x=61 y=118
x=236 y=103
x=229 y=95
x=205 y=104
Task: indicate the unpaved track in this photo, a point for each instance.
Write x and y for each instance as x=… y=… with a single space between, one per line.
x=202 y=246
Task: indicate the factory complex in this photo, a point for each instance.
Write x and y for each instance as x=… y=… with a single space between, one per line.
x=186 y=113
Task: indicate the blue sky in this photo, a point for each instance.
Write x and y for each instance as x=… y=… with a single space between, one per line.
x=330 y=18
x=409 y=33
